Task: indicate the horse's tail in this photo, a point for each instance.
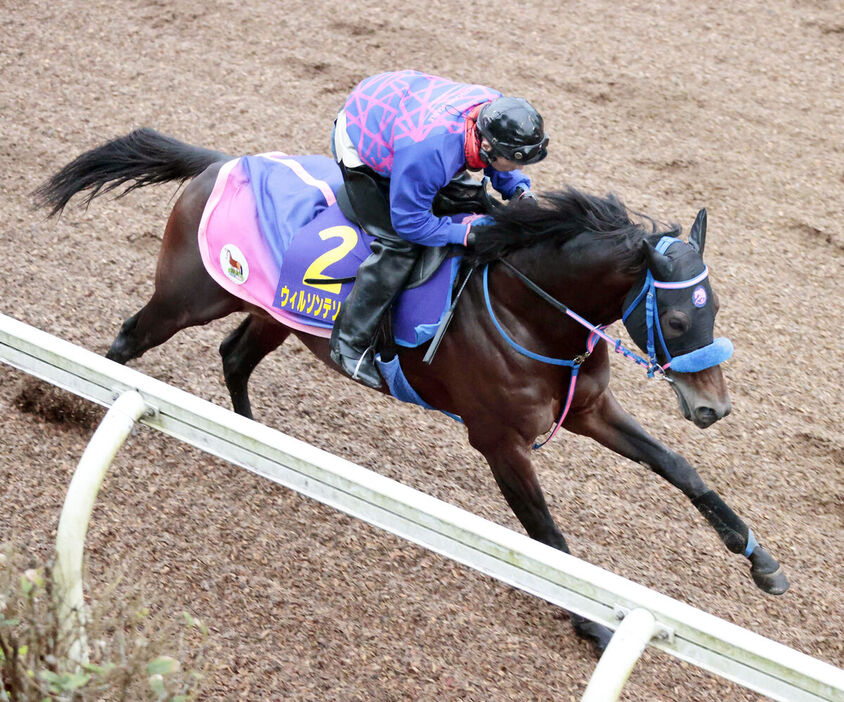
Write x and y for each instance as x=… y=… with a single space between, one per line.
x=143 y=157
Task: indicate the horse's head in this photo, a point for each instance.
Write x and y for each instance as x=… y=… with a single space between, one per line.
x=671 y=316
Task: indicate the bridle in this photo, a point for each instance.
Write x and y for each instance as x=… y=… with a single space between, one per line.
x=718 y=351
x=709 y=355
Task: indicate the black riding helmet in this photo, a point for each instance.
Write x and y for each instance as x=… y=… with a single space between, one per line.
x=514 y=129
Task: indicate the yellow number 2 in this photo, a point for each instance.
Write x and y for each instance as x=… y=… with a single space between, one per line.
x=315 y=271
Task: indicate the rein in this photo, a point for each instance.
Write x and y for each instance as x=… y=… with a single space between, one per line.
x=652 y=366
x=596 y=332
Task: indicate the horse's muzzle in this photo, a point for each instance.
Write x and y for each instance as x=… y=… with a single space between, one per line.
x=702 y=396
x=707 y=416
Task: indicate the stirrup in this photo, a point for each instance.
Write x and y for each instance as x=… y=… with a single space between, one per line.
x=360 y=369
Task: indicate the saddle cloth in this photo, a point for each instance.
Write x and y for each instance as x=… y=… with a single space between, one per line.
x=273 y=235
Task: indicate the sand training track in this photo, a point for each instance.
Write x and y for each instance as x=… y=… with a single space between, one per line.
x=673 y=106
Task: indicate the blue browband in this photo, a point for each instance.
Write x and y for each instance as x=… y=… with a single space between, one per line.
x=705 y=357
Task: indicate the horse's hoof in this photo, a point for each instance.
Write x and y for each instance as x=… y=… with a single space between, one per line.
x=774 y=583
x=596 y=634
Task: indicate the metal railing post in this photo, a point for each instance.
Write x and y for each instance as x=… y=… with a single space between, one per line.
x=78 y=505
x=617 y=661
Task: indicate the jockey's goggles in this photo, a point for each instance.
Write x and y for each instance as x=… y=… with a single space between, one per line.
x=520 y=153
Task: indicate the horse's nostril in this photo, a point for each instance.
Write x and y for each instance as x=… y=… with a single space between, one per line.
x=706 y=414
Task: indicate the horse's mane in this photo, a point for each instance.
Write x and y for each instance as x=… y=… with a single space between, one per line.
x=559 y=217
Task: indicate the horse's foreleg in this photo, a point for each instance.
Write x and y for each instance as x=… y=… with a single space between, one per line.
x=511 y=465
x=242 y=350
x=608 y=423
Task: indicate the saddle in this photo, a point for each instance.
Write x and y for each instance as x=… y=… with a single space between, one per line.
x=276 y=240
x=463 y=195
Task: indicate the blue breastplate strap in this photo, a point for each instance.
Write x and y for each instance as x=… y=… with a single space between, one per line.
x=521 y=349
x=616 y=344
x=575 y=363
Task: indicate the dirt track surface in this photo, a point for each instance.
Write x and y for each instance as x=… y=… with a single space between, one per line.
x=672 y=106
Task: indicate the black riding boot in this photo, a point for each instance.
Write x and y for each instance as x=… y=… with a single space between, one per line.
x=380 y=279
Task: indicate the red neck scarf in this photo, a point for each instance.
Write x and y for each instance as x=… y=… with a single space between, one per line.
x=472 y=141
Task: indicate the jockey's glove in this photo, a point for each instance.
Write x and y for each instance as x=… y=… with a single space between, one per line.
x=474 y=224
x=524 y=193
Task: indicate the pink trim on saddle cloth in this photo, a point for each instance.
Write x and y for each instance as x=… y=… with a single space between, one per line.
x=231 y=215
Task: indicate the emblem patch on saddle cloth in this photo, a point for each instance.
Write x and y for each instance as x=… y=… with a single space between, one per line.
x=272 y=235
x=233 y=263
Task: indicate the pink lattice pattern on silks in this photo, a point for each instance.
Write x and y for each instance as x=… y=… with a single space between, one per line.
x=390 y=107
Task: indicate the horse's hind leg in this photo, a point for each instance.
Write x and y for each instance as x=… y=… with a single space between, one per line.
x=159 y=319
x=126 y=344
x=185 y=295
x=242 y=350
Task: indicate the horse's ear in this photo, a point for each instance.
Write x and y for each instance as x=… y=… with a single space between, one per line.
x=658 y=264
x=697 y=236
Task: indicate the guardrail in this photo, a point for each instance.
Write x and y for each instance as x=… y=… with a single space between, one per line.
x=641 y=616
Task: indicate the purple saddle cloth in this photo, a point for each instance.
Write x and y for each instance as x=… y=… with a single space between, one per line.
x=329 y=248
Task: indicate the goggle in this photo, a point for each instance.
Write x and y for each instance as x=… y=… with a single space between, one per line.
x=530 y=153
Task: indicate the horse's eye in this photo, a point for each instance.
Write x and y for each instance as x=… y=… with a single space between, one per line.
x=674 y=323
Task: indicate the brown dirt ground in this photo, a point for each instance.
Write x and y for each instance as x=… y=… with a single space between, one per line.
x=672 y=105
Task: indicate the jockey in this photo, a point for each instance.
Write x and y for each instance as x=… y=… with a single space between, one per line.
x=399 y=139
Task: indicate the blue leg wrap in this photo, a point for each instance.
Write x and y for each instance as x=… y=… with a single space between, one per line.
x=752 y=543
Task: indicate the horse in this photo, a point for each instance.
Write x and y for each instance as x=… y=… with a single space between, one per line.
x=526 y=349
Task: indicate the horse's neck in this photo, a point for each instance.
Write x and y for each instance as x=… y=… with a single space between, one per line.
x=587 y=282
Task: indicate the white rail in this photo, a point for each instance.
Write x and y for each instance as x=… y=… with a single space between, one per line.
x=76 y=513
x=618 y=660
x=690 y=634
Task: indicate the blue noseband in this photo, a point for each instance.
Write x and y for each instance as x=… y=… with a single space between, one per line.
x=705 y=357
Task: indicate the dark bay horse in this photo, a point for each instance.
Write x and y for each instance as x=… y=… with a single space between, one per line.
x=506 y=364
